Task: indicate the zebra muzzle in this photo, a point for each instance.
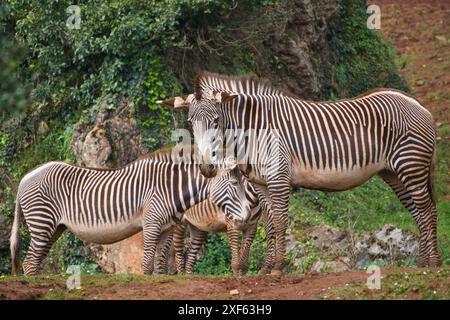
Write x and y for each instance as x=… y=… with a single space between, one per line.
x=208 y=170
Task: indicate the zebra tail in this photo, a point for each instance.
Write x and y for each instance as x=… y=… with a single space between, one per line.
x=15 y=240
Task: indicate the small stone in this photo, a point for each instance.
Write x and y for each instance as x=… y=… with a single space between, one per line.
x=234 y=292
x=441 y=38
x=421 y=82
x=42 y=128
x=249 y=291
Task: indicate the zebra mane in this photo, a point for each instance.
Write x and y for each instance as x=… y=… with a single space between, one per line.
x=211 y=82
x=167 y=154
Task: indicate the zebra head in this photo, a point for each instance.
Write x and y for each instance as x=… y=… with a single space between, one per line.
x=207 y=120
x=227 y=190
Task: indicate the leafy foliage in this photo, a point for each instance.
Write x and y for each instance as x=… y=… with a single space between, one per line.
x=363 y=59
x=217 y=259
x=13 y=92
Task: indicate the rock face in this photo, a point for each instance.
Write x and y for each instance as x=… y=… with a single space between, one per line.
x=113 y=140
x=122 y=257
x=301 y=50
x=293 y=52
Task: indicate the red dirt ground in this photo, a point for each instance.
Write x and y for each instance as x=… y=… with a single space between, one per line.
x=309 y=286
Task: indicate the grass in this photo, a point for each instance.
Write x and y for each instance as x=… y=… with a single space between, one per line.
x=430 y=284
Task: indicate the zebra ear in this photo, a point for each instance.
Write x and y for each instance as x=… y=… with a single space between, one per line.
x=176 y=103
x=223 y=97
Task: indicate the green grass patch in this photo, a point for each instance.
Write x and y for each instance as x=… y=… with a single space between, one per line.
x=431 y=284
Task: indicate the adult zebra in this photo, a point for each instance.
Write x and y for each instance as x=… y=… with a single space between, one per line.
x=105 y=206
x=329 y=146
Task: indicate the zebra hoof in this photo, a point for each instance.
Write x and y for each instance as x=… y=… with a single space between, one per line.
x=243 y=272
x=435 y=263
x=276 y=273
x=264 y=271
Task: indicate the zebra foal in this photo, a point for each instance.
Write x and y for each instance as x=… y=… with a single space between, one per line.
x=206 y=217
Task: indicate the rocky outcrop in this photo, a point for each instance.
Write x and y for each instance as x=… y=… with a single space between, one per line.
x=335 y=250
x=112 y=140
x=388 y=245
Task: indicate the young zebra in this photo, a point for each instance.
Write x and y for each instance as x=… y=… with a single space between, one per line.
x=105 y=206
x=330 y=146
x=207 y=217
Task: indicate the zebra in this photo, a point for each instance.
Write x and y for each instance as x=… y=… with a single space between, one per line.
x=323 y=145
x=207 y=217
x=108 y=205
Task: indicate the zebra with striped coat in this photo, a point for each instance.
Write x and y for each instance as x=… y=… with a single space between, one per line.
x=207 y=217
x=330 y=146
x=108 y=205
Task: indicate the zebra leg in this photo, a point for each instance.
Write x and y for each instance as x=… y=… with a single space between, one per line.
x=40 y=245
x=196 y=240
x=269 y=260
x=247 y=240
x=178 y=245
x=152 y=235
x=233 y=239
x=417 y=182
x=269 y=227
x=405 y=198
x=427 y=222
x=279 y=196
x=165 y=243
x=433 y=252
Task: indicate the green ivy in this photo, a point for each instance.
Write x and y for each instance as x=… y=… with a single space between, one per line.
x=157 y=120
x=363 y=59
